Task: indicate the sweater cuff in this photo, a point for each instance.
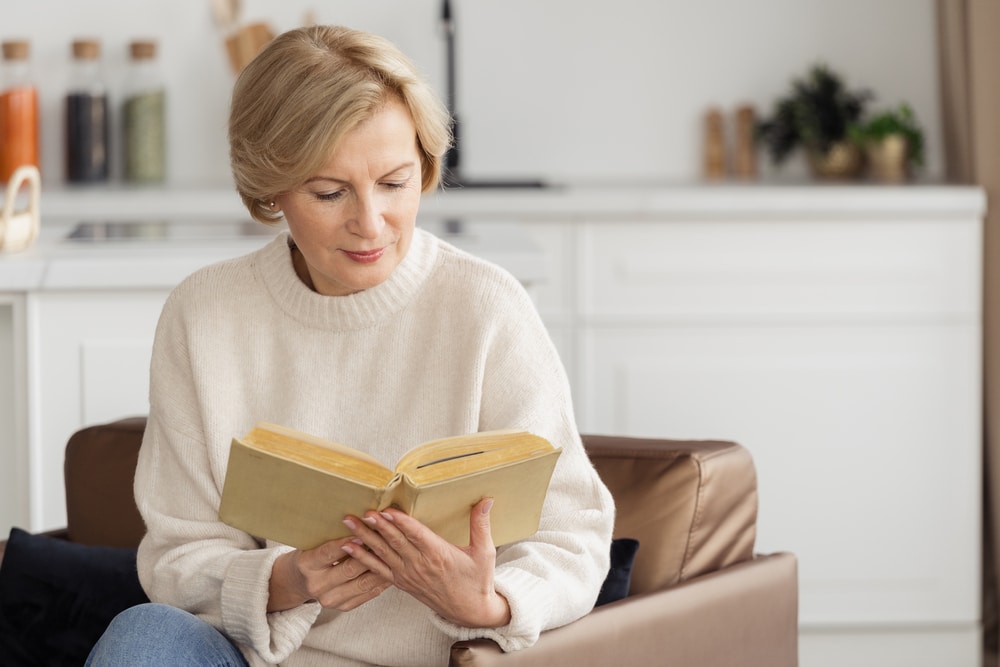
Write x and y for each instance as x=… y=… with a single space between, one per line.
x=530 y=607
x=273 y=636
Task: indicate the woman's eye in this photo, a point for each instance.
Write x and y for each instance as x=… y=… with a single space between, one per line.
x=394 y=185
x=329 y=196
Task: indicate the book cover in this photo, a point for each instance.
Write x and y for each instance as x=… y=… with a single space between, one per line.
x=296 y=489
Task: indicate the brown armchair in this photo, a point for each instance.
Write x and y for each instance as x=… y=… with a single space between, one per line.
x=699 y=595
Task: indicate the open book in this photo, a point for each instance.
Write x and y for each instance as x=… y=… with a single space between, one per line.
x=296 y=489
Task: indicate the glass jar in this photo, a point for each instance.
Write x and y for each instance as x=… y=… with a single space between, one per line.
x=18 y=110
x=144 y=116
x=88 y=153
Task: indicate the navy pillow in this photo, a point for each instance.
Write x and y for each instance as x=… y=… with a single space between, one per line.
x=57 y=597
x=620 y=575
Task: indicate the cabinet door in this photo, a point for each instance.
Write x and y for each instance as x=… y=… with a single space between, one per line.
x=866 y=441
x=89 y=363
x=722 y=271
x=555 y=295
x=13 y=406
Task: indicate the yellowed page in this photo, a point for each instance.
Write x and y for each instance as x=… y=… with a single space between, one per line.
x=317 y=453
x=518 y=490
x=460 y=455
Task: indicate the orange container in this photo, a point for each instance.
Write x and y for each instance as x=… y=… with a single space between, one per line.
x=18 y=129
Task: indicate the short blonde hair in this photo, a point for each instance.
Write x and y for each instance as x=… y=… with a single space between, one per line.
x=309 y=87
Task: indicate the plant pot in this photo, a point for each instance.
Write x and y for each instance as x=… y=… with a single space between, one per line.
x=888 y=159
x=842 y=161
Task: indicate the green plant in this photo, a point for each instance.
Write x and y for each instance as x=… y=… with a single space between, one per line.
x=899 y=121
x=814 y=115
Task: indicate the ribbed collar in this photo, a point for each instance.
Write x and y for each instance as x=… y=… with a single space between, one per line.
x=273 y=266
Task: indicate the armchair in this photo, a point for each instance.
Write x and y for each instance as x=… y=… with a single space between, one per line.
x=699 y=595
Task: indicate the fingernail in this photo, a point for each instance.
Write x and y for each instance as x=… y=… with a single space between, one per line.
x=487 y=506
x=386 y=515
x=350 y=524
x=370 y=520
x=347 y=549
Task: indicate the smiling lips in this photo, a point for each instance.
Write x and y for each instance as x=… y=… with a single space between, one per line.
x=366 y=257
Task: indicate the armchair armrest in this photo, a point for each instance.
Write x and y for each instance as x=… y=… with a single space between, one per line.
x=745 y=615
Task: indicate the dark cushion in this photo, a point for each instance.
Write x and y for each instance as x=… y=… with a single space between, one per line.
x=57 y=597
x=619 y=577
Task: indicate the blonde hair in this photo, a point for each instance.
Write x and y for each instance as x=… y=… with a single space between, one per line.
x=309 y=87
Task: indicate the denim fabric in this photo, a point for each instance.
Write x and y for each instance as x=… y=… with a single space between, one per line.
x=153 y=635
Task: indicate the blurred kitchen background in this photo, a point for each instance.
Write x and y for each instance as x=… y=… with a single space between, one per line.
x=835 y=329
x=563 y=90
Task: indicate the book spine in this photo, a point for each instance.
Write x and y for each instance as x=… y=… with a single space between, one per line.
x=399 y=493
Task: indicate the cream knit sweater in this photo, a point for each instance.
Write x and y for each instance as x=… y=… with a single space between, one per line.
x=448 y=344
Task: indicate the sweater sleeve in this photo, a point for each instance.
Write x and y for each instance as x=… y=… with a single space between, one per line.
x=188 y=558
x=553 y=577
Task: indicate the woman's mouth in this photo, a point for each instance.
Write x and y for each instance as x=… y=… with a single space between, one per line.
x=366 y=256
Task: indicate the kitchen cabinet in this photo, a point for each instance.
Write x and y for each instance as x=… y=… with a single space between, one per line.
x=90 y=364
x=845 y=354
x=842 y=346
x=833 y=330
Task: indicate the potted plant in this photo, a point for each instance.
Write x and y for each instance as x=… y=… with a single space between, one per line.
x=816 y=116
x=893 y=141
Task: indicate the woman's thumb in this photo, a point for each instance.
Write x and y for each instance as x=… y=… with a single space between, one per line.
x=480 y=532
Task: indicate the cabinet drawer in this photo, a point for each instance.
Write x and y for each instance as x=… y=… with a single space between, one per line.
x=773 y=270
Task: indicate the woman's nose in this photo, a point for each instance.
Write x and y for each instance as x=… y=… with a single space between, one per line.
x=368 y=220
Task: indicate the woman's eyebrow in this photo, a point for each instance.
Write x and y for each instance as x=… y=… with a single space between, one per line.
x=333 y=179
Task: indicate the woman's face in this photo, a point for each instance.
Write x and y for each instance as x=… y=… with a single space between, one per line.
x=353 y=221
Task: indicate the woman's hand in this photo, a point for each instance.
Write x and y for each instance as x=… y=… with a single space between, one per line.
x=456 y=582
x=325 y=574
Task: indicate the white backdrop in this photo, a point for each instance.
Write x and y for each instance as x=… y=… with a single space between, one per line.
x=568 y=90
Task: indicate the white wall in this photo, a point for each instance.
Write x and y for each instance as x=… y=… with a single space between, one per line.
x=569 y=90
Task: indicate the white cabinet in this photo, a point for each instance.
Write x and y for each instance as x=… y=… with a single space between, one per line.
x=13 y=411
x=555 y=296
x=89 y=364
x=845 y=354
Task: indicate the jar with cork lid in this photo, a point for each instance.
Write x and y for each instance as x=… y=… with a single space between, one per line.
x=144 y=116
x=18 y=109
x=87 y=111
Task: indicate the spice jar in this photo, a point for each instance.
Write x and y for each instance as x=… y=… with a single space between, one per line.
x=18 y=110
x=87 y=117
x=144 y=116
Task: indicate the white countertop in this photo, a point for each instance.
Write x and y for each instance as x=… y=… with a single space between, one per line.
x=191 y=227
x=160 y=255
x=558 y=202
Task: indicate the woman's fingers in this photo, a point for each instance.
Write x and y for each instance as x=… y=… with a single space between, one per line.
x=456 y=582
x=336 y=580
x=358 y=585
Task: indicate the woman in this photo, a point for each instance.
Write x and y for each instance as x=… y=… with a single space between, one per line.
x=360 y=328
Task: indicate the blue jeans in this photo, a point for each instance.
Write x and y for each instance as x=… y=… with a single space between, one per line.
x=156 y=635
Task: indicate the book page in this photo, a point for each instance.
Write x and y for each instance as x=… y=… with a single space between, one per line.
x=317 y=453
x=466 y=454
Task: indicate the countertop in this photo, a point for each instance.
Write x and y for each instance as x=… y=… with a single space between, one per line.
x=150 y=238
x=599 y=201
x=158 y=255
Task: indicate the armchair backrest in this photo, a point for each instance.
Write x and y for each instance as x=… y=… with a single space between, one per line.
x=99 y=470
x=692 y=505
